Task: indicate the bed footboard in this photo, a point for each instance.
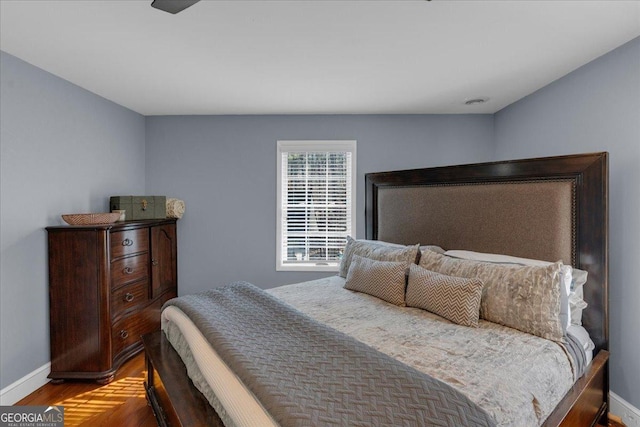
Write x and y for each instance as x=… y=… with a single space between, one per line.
x=176 y=402
x=171 y=394
x=586 y=404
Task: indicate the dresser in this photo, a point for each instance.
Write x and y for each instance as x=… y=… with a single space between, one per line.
x=107 y=284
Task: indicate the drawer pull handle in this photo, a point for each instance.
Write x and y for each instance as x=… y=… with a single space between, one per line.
x=127 y=242
x=124 y=334
x=127 y=270
x=154 y=262
x=128 y=297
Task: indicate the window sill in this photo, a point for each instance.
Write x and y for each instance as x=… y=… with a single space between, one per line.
x=309 y=267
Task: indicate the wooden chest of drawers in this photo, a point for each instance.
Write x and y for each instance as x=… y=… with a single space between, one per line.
x=107 y=284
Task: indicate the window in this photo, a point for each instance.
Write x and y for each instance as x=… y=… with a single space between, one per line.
x=315 y=208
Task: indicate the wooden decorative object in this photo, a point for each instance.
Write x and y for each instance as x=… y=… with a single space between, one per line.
x=91 y=218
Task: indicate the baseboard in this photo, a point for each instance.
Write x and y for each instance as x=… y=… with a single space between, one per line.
x=25 y=385
x=630 y=414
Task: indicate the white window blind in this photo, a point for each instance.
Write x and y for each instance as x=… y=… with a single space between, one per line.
x=316 y=183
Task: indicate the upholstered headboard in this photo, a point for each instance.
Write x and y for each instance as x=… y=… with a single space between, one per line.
x=552 y=208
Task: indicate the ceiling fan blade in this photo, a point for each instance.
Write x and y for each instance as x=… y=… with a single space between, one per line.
x=173 y=6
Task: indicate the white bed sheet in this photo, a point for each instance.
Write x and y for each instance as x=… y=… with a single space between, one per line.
x=240 y=404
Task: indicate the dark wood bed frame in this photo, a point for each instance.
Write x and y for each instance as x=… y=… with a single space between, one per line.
x=177 y=402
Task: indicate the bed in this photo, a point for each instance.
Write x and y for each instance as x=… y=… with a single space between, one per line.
x=544 y=209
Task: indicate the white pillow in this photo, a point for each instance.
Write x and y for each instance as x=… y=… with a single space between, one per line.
x=495 y=258
x=577 y=304
x=566 y=272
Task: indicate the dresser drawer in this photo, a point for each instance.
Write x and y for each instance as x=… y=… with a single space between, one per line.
x=130 y=269
x=129 y=242
x=129 y=297
x=127 y=331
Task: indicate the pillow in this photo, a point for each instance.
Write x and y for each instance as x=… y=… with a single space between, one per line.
x=455 y=298
x=380 y=251
x=495 y=258
x=432 y=248
x=526 y=298
x=572 y=302
x=382 y=279
x=576 y=296
x=566 y=275
x=578 y=279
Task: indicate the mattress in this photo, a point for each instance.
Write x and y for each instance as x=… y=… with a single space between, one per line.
x=516 y=377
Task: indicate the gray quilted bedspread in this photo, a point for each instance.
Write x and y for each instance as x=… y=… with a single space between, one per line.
x=307 y=374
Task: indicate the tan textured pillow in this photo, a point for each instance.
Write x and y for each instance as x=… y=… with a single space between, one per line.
x=526 y=298
x=379 y=251
x=455 y=298
x=382 y=279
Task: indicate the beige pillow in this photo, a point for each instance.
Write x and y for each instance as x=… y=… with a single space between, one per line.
x=455 y=298
x=526 y=298
x=379 y=251
x=566 y=275
x=382 y=279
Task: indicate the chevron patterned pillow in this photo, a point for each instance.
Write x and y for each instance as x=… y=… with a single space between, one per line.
x=382 y=279
x=455 y=298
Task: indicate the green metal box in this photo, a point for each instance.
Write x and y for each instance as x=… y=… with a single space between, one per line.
x=140 y=207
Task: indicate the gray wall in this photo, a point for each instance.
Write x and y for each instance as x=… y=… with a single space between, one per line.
x=63 y=150
x=53 y=132
x=224 y=167
x=596 y=108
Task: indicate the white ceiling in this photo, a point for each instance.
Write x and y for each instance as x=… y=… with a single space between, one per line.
x=314 y=57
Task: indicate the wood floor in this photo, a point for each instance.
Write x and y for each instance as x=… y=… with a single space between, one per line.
x=120 y=403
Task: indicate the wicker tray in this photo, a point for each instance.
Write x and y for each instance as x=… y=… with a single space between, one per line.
x=91 y=218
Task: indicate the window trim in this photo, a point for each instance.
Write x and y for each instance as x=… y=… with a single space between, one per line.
x=311 y=145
